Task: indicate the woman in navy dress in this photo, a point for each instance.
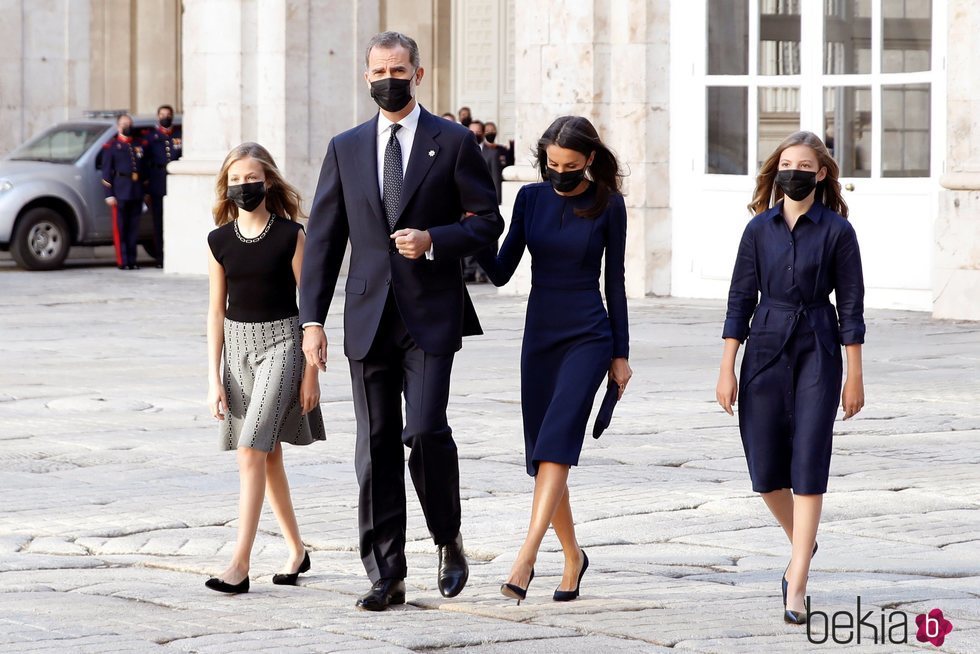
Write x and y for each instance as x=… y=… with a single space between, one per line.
x=794 y=254
x=569 y=224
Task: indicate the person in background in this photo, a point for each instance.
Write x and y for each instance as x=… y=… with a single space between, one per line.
x=161 y=146
x=465 y=116
x=505 y=154
x=450 y=117
x=123 y=174
x=489 y=154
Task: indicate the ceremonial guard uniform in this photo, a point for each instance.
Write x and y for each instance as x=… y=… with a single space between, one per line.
x=161 y=146
x=123 y=174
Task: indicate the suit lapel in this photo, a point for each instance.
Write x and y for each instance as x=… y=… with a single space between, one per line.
x=367 y=166
x=424 y=153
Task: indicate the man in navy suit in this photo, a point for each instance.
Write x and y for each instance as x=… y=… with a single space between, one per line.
x=412 y=195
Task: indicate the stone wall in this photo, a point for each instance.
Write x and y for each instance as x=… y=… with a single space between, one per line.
x=288 y=75
x=607 y=61
x=61 y=57
x=44 y=66
x=956 y=254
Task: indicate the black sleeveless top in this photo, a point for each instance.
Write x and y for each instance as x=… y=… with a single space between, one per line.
x=258 y=271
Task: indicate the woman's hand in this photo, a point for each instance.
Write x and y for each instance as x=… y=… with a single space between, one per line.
x=852 y=398
x=217 y=401
x=727 y=390
x=309 y=390
x=620 y=372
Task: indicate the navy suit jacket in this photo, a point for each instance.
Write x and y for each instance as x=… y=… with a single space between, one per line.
x=447 y=190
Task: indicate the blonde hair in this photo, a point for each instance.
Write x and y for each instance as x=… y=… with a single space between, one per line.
x=828 y=190
x=281 y=197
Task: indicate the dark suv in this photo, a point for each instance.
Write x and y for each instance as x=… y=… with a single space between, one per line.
x=51 y=195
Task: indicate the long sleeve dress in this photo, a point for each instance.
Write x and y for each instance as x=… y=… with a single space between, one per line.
x=569 y=338
x=792 y=366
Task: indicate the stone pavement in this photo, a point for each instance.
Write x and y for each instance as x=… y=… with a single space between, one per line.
x=115 y=503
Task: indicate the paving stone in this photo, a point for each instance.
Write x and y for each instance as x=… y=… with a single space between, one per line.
x=116 y=505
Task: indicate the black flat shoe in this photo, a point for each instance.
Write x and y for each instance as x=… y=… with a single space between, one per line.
x=384 y=593
x=569 y=595
x=514 y=591
x=794 y=617
x=224 y=587
x=453 y=569
x=290 y=579
x=786 y=583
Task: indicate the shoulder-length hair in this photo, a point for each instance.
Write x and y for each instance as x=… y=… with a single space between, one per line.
x=281 y=197
x=767 y=192
x=577 y=133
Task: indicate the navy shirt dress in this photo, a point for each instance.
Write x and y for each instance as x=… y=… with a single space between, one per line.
x=792 y=365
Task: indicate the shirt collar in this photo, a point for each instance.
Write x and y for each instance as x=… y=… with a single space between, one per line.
x=409 y=122
x=814 y=213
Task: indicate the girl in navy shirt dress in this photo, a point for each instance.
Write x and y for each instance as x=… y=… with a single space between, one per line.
x=793 y=255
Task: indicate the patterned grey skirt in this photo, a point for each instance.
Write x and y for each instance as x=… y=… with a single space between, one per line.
x=263 y=370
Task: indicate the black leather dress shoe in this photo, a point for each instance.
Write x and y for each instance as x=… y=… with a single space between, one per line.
x=384 y=593
x=224 y=587
x=453 y=570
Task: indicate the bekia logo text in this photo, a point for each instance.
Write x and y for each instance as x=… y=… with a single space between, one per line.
x=888 y=627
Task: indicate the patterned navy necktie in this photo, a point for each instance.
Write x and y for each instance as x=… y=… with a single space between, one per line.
x=392 y=194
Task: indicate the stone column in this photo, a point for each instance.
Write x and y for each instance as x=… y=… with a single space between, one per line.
x=956 y=260
x=284 y=73
x=607 y=62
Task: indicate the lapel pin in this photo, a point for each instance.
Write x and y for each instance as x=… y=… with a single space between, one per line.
x=432 y=153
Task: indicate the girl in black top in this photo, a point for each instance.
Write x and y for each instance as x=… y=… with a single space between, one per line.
x=268 y=394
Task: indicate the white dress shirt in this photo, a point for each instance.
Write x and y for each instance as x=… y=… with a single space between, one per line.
x=406 y=139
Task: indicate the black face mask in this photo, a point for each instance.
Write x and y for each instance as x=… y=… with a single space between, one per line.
x=392 y=94
x=491 y=137
x=126 y=131
x=247 y=196
x=465 y=122
x=166 y=122
x=479 y=139
x=796 y=184
x=567 y=181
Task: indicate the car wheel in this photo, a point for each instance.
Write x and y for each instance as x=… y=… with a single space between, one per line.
x=41 y=240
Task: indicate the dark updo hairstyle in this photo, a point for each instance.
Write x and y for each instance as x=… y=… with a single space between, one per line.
x=577 y=133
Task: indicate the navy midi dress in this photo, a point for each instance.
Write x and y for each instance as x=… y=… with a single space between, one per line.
x=569 y=338
x=792 y=365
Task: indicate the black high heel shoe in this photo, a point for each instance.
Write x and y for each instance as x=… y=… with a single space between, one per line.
x=794 y=617
x=514 y=591
x=569 y=595
x=786 y=583
x=290 y=579
x=224 y=587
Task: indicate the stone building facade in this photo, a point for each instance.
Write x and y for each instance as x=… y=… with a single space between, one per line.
x=690 y=94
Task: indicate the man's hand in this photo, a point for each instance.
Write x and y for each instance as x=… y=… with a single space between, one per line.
x=111 y=201
x=315 y=347
x=412 y=243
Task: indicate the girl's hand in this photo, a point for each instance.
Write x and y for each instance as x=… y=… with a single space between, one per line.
x=620 y=372
x=217 y=401
x=727 y=390
x=852 y=398
x=309 y=390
